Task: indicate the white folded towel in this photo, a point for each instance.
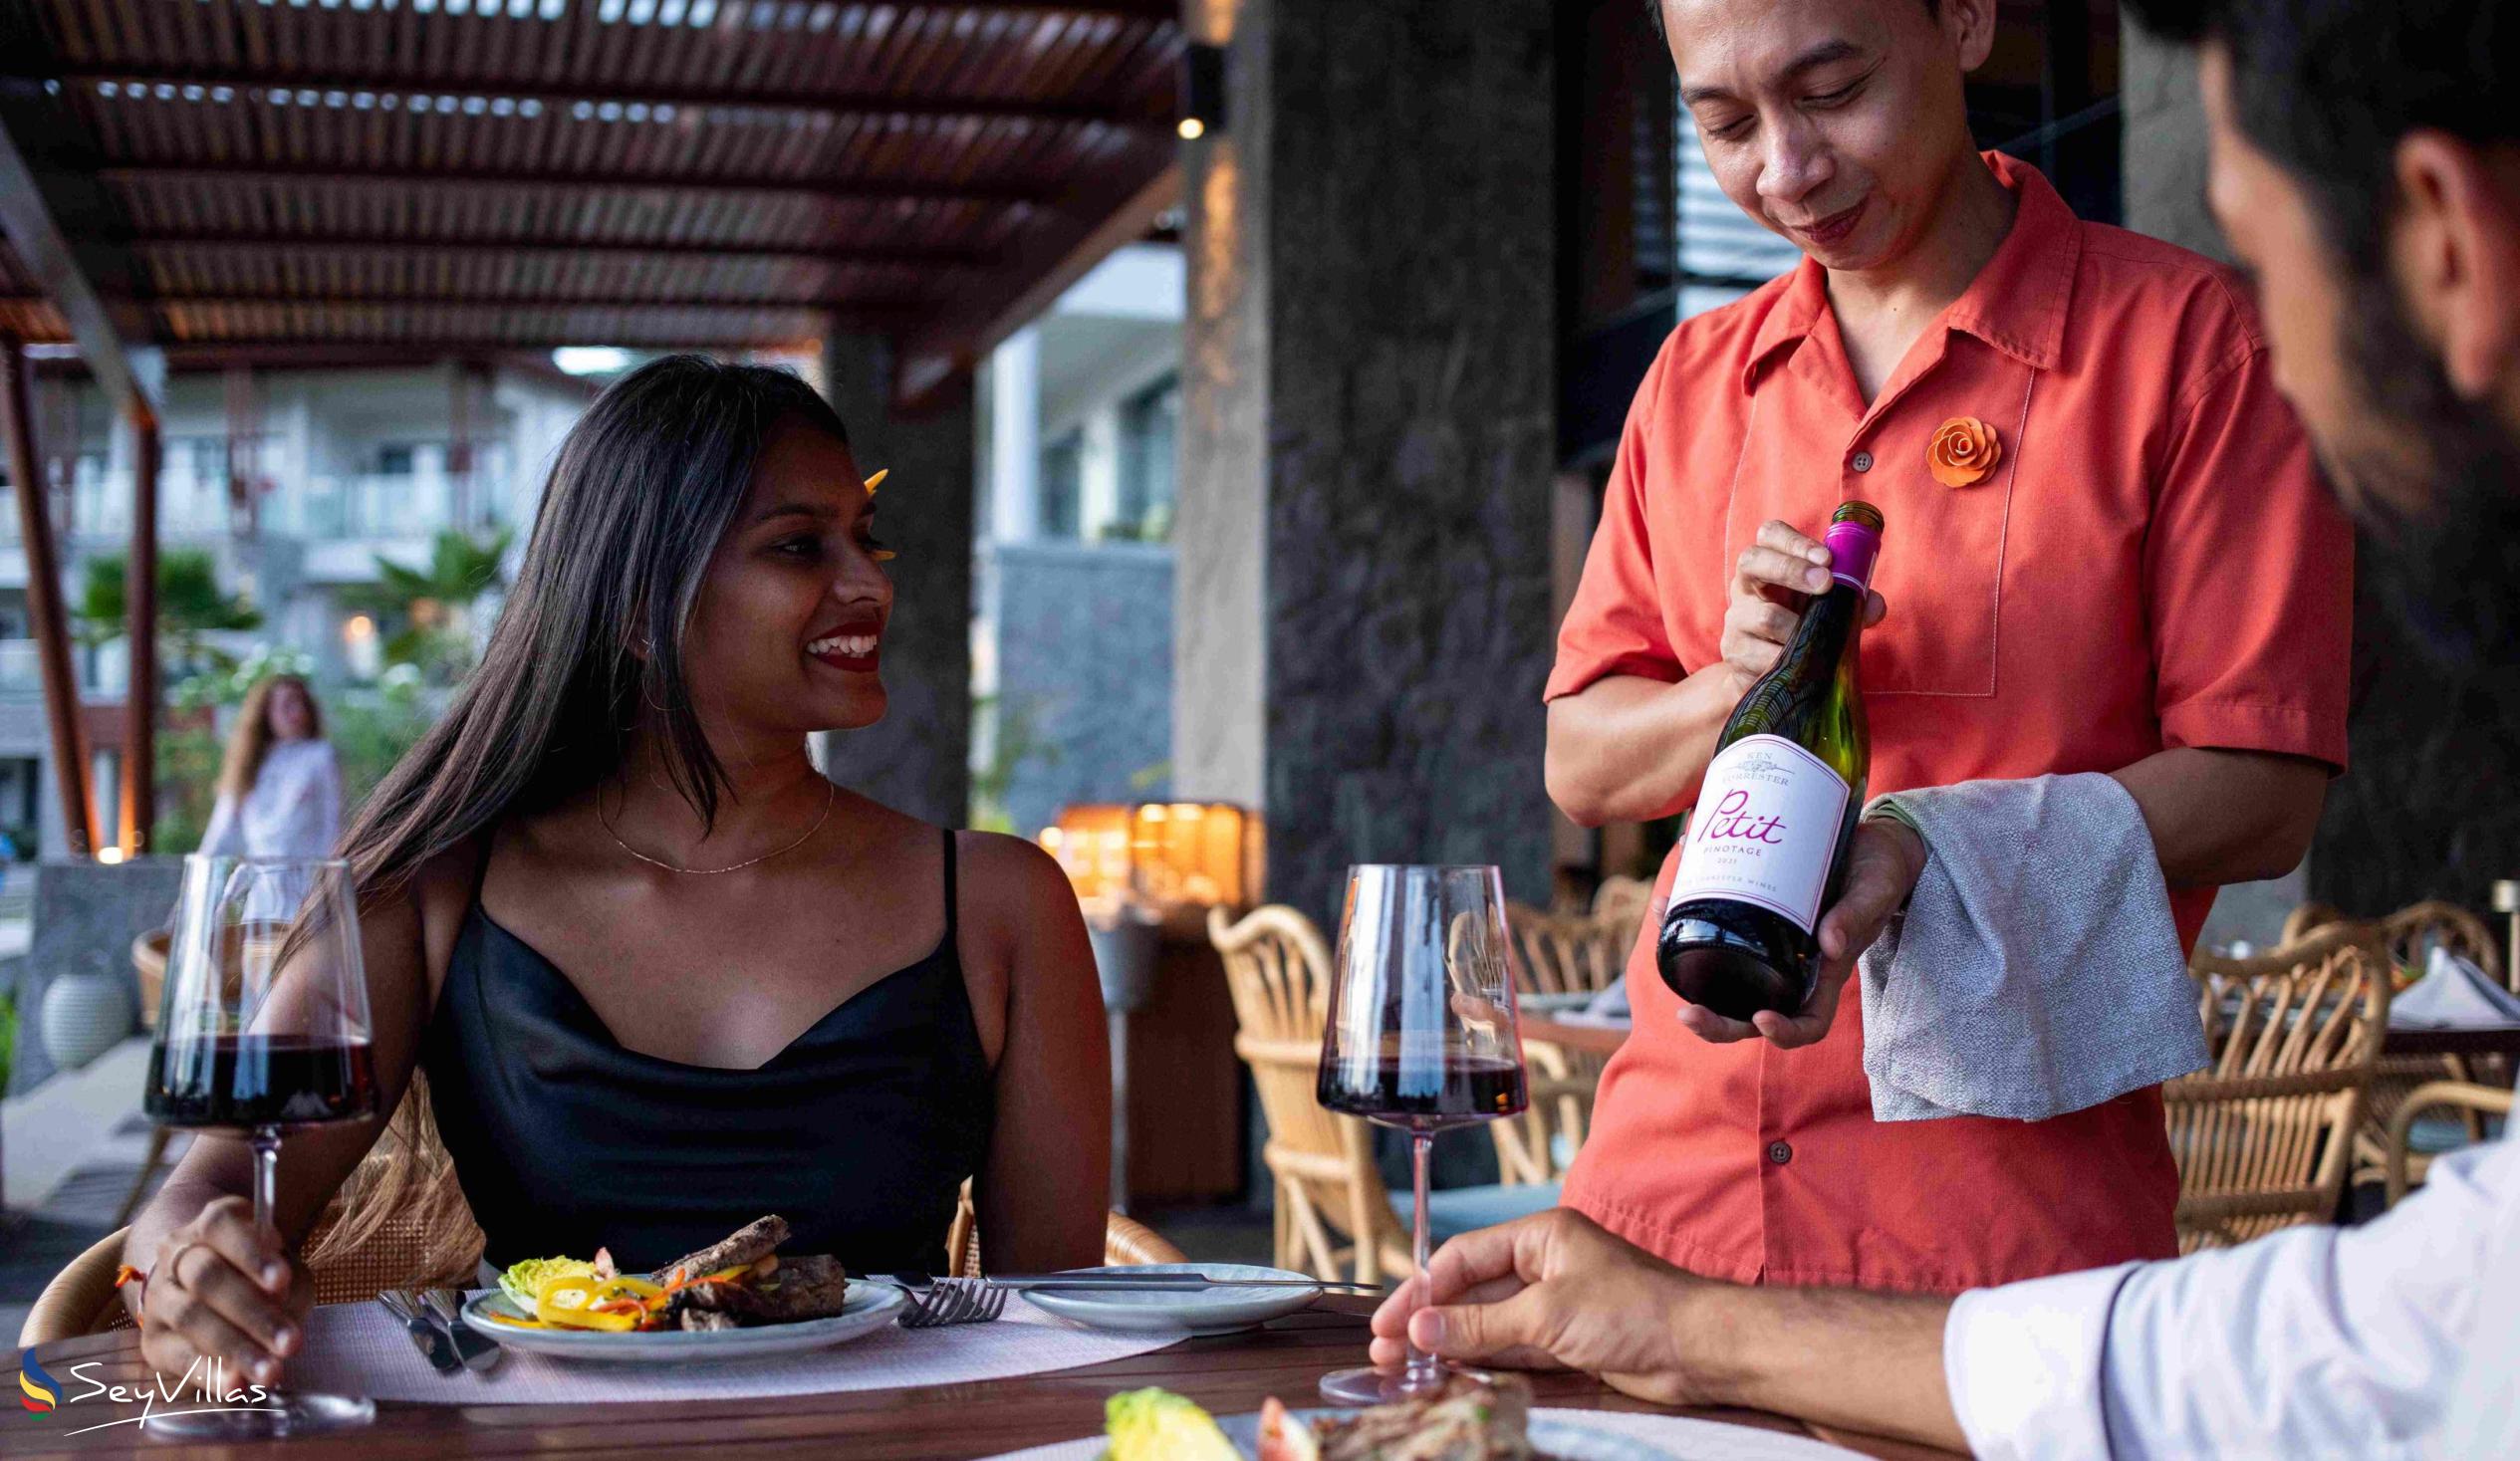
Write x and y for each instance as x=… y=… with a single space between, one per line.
x=2036 y=970
x=2453 y=994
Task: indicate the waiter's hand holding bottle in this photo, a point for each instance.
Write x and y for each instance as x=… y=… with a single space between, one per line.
x=1775 y=838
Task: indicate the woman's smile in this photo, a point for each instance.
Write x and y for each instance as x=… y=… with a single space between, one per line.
x=854 y=647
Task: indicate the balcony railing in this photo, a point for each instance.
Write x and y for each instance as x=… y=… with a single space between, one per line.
x=318 y=509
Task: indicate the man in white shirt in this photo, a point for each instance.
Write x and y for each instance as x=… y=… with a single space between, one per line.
x=2365 y=166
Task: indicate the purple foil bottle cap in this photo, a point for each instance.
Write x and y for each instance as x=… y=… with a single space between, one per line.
x=1854 y=542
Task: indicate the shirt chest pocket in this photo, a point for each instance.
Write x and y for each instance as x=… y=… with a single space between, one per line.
x=1942 y=548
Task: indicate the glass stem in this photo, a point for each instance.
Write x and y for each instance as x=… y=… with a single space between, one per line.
x=266 y=1178
x=1422 y=1368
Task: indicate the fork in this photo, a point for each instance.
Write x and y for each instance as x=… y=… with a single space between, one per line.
x=952 y=1301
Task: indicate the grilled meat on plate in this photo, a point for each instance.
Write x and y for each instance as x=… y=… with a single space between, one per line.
x=1466 y=1420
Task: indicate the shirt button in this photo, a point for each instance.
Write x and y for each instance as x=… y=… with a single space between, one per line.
x=1780 y=1152
x=1862 y=461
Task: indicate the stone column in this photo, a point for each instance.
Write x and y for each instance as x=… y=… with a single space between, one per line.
x=1015 y=436
x=917 y=758
x=1368 y=427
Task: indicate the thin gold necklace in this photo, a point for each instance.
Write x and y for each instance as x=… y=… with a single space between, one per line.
x=828 y=797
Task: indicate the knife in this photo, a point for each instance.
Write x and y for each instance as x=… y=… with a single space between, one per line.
x=433 y=1342
x=478 y=1351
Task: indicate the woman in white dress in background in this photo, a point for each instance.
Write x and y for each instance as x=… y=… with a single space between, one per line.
x=280 y=790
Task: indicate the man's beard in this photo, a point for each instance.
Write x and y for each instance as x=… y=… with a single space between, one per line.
x=2437 y=502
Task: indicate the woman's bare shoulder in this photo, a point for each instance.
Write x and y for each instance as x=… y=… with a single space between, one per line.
x=1008 y=872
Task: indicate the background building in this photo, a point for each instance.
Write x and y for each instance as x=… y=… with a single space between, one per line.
x=296 y=483
x=1072 y=645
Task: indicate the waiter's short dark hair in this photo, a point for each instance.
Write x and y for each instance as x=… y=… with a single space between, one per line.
x=1654 y=12
x=2327 y=88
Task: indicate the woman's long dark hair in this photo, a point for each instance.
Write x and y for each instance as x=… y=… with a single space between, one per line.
x=645 y=487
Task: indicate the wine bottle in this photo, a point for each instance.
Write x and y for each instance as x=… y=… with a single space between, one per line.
x=1764 y=852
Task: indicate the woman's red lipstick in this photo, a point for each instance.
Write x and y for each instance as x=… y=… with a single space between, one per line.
x=856 y=648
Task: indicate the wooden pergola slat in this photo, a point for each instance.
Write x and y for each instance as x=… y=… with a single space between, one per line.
x=692 y=183
x=248 y=85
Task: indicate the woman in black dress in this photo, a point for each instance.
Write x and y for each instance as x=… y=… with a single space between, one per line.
x=647 y=974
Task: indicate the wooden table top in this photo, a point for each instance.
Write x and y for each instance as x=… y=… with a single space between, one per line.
x=1229 y=1375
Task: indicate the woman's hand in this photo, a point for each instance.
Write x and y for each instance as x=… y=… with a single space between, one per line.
x=221 y=1288
x=1883 y=863
x=1548 y=1292
x=1770 y=581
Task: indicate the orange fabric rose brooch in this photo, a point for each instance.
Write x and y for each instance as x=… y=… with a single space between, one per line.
x=1964 y=452
x=879 y=555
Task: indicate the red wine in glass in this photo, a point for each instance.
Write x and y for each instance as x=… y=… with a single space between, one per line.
x=1466 y=1089
x=1421 y=1037
x=239 y=1084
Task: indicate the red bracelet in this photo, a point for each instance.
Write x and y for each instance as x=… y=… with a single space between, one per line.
x=127 y=1274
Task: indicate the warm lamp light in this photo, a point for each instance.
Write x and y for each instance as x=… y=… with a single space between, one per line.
x=1199 y=852
x=1160 y=855
x=1203 y=92
x=1091 y=842
x=109 y=855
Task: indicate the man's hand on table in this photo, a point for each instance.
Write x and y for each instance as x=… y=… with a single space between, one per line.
x=1548 y=1292
x=1553 y=1291
x=1882 y=864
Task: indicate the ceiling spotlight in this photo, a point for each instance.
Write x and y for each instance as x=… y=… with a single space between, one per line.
x=1203 y=92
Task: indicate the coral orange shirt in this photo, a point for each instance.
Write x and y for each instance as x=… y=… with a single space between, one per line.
x=2151 y=563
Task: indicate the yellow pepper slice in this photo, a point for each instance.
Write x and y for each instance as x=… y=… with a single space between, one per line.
x=567 y=1302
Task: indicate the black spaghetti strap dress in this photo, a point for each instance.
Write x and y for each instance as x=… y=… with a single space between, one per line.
x=858 y=1132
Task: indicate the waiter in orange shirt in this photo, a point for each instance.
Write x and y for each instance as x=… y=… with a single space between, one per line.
x=2130 y=569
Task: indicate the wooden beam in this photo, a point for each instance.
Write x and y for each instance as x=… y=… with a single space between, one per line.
x=293 y=174
x=894 y=308
x=35 y=192
x=840 y=256
x=286 y=352
x=46 y=614
x=955 y=342
x=557 y=98
x=139 y=781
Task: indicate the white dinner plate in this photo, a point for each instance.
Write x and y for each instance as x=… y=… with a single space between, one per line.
x=1221 y=1309
x=867 y=1309
x=1559 y=1440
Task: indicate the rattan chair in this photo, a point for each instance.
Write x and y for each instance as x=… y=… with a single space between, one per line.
x=2261 y=1137
x=1126 y=1242
x=1560 y=953
x=81 y=1299
x=1540 y=1144
x=2405 y=1167
x=1334 y=1216
x=2406 y=939
x=1623 y=902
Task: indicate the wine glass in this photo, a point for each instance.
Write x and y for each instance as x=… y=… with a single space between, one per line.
x=1421 y=1036
x=263 y=1031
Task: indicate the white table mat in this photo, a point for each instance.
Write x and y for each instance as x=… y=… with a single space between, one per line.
x=360 y=1350
x=1685 y=1439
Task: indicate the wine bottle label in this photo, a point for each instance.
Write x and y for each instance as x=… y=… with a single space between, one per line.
x=1765 y=828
